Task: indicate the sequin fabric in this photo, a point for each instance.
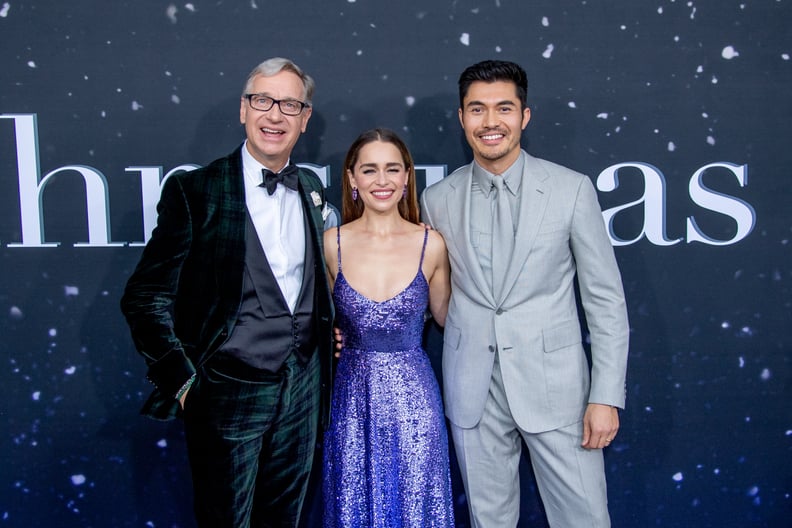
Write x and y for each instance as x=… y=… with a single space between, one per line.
x=386 y=450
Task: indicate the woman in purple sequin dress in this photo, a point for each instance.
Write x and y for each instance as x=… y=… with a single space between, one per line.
x=386 y=449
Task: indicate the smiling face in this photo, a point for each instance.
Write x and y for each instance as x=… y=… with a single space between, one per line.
x=493 y=120
x=271 y=135
x=380 y=175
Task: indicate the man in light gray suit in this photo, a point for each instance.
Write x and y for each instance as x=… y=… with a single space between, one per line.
x=519 y=230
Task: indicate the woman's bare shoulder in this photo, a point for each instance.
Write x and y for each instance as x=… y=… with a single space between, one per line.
x=329 y=235
x=436 y=240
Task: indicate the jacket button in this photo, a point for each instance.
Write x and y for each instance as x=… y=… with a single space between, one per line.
x=499 y=311
x=491 y=348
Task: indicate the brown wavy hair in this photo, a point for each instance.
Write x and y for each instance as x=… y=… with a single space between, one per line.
x=408 y=206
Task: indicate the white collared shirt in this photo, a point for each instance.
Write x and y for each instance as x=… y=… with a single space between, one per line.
x=280 y=225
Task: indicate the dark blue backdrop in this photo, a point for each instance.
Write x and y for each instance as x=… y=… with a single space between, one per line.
x=117 y=93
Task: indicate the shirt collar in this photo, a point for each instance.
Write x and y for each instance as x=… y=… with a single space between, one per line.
x=512 y=177
x=251 y=167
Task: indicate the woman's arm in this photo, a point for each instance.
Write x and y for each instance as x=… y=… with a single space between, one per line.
x=440 y=277
x=331 y=267
x=331 y=255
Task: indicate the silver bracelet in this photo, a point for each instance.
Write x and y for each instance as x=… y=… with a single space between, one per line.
x=185 y=387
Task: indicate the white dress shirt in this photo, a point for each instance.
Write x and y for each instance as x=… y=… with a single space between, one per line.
x=280 y=225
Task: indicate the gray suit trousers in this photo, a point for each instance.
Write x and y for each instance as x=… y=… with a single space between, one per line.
x=571 y=480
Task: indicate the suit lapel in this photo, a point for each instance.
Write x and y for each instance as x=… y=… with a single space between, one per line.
x=458 y=207
x=313 y=202
x=534 y=196
x=230 y=248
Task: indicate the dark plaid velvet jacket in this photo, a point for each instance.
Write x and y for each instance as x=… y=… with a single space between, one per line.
x=182 y=300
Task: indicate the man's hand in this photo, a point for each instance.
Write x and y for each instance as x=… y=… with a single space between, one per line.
x=600 y=425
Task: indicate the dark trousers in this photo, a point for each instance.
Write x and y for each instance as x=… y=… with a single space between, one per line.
x=250 y=440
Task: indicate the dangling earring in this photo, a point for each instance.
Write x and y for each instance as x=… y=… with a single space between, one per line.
x=404 y=193
x=354 y=194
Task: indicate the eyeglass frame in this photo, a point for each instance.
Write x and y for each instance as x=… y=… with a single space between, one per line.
x=250 y=96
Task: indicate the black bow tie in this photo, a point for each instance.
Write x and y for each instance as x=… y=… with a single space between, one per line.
x=287 y=177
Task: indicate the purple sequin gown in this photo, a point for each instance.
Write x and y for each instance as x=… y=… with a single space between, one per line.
x=386 y=450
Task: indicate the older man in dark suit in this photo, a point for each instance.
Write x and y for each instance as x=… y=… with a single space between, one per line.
x=230 y=307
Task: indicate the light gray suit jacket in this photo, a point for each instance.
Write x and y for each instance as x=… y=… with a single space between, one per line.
x=560 y=233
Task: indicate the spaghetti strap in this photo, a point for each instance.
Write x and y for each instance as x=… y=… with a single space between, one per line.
x=338 y=243
x=423 y=250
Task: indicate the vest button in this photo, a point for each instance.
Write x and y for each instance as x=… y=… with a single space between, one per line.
x=491 y=348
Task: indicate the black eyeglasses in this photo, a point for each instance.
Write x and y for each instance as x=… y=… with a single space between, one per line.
x=289 y=107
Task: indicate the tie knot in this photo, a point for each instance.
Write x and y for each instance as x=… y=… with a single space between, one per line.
x=286 y=177
x=498 y=183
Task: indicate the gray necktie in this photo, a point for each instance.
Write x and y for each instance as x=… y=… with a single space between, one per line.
x=502 y=236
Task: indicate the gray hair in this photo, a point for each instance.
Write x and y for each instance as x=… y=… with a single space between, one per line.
x=273 y=66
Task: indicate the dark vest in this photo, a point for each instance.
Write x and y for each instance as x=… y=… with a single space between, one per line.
x=266 y=332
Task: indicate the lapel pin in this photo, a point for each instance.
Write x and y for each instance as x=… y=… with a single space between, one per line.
x=317 y=200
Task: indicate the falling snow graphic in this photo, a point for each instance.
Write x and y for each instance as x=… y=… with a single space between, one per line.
x=124 y=93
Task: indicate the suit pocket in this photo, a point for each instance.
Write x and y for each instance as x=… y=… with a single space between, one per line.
x=561 y=336
x=480 y=239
